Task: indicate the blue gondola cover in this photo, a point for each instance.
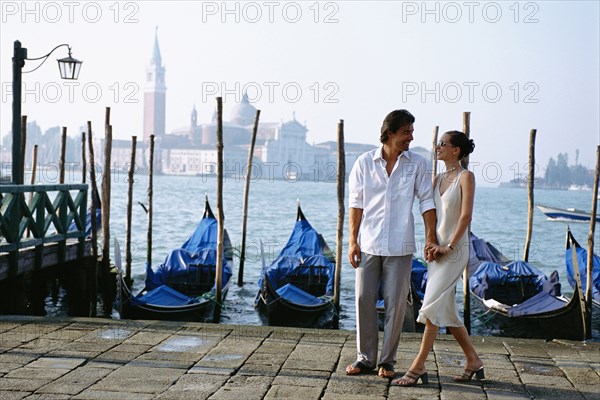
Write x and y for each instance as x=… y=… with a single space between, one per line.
x=582 y=262
x=294 y=294
x=302 y=256
x=419 y=276
x=483 y=251
x=541 y=302
x=495 y=281
x=199 y=250
x=88 y=223
x=165 y=296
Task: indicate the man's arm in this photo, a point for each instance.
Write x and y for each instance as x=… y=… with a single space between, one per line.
x=431 y=243
x=430 y=220
x=353 y=247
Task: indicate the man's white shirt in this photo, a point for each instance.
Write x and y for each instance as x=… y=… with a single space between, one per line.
x=387 y=226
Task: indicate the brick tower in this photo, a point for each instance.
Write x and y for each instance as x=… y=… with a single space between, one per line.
x=155 y=95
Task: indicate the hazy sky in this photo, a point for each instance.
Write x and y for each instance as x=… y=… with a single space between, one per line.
x=514 y=65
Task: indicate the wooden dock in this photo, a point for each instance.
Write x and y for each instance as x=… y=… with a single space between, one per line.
x=43 y=228
x=50 y=257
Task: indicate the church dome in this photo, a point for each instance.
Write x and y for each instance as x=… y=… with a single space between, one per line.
x=243 y=114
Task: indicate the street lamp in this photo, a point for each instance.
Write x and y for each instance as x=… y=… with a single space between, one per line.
x=69 y=68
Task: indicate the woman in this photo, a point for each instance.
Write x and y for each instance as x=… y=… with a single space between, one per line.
x=453 y=194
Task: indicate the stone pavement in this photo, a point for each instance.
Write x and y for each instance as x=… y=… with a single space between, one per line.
x=79 y=358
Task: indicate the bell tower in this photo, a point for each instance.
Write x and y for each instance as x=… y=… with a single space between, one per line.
x=155 y=95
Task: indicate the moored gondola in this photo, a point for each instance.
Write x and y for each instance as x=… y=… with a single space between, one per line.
x=524 y=302
x=480 y=251
x=183 y=286
x=296 y=289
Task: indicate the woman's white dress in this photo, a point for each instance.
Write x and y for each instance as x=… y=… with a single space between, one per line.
x=439 y=302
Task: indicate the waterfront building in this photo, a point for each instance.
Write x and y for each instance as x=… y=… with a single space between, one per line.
x=281 y=150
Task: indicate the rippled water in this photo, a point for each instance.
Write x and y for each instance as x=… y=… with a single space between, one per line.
x=500 y=216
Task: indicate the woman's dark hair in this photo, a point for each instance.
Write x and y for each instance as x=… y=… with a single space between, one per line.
x=393 y=121
x=460 y=140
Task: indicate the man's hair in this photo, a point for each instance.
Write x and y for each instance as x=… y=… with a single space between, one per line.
x=393 y=121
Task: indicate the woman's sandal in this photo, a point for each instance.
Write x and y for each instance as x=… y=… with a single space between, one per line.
x=357 y=367
x=468 y=375
x=411 y=379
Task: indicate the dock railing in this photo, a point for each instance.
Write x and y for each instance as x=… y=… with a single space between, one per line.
x=51 y=211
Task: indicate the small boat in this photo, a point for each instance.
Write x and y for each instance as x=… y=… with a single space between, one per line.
x=183 y=287
x=579 y=188
x=566 y=214
x=526 y=303
x=296 y=289
x=582 y=263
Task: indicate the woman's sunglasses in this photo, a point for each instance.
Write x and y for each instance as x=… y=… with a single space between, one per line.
x=441 y=143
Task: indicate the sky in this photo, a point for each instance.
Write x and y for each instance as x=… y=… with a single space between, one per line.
x=515 y=66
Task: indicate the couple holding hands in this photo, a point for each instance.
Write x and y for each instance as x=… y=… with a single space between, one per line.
x=382 y=186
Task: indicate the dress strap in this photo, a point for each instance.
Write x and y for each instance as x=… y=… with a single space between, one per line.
x=456 y=181
x=460 y=174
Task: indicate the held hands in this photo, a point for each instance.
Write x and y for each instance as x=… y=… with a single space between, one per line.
x=434 y=251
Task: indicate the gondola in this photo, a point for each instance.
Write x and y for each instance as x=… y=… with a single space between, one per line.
x=183 y=287
x=582 y=262
x=480 y=251
x=296 y=289
x=524 y=302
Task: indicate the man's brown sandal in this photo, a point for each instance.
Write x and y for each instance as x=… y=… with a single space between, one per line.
x=386 y=371
x=357 y=367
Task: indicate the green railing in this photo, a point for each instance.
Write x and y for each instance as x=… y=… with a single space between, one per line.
x=46 y=219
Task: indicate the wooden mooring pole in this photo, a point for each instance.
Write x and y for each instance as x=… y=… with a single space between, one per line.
x=33 y=173
x=590 y=254
x=150 y=208
x=23 y=146
x=83 y=158
x=93 y=275
x=220 y=219
x=63 y=153
x=341 y=194
x=467 y=131
x=240 y=281
x=530 y=184
x=33 y=168
x=131 y=171
x=106 y=281
x=466 y=272
x=436 y=131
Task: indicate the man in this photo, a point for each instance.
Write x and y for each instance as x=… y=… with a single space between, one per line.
x=383 y=184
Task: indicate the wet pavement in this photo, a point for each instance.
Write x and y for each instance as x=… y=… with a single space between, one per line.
x=79 y=358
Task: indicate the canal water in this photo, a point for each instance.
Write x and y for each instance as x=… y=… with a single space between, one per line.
x=500 y=217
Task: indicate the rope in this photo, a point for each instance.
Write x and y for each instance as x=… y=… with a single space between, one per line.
x=210 y=297
x=485 y=321
x=329 y=299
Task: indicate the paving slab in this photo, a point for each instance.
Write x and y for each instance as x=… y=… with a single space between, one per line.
x=13 y=395
x=97 y=359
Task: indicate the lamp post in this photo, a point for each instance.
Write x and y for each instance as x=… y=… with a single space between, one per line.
x=69 y=68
